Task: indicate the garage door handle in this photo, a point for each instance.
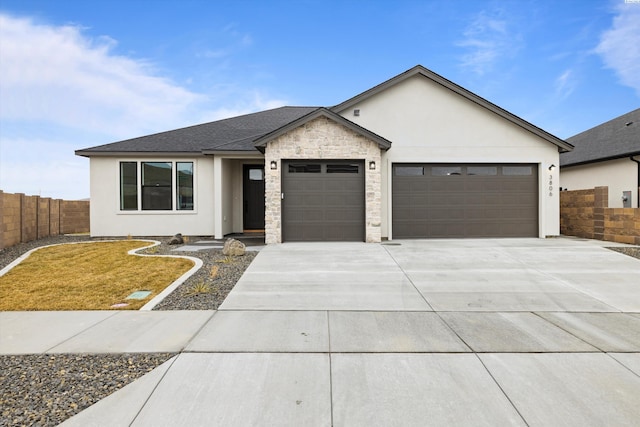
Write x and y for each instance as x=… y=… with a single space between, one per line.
x=282 y=196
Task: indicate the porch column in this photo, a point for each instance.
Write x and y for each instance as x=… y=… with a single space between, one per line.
x=217 y=197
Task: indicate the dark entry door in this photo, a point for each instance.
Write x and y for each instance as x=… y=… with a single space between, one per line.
x=253 y=199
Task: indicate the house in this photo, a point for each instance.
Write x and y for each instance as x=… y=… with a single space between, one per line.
x=414 y=157
x=606 y=155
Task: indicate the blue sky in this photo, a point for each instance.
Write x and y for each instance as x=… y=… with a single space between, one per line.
x=75 y=74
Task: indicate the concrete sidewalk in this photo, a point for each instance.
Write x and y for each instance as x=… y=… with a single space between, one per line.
x=450 y=332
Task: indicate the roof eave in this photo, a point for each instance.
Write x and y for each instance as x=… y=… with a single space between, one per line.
x=420 y=70
x=91 y=153
x=602 y=159
x=245 y=153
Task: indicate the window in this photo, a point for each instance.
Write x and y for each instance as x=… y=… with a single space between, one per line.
x=304 y=168
x=256 y=174
x=343 y=168
x=482 y=170
x=516 y=170
x=446 y=170
x=184 y=178
x=409 y=170
x=154 y=186
x=128 y=186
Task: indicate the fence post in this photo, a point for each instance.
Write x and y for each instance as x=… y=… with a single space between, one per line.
x=601 y=201
x=23 y=219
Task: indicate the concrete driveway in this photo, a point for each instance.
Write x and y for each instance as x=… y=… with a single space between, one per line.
x=412 y=333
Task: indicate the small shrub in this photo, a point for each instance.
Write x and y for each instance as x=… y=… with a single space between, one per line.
x=214 y=271
x=199 y=288
x=226 y=260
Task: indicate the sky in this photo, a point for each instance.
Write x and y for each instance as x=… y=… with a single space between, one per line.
x=76 y=74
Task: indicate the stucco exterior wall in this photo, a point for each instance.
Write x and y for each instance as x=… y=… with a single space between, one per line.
x=619 y=175
x=427 y=123
x=108 y=220
x=321 y=139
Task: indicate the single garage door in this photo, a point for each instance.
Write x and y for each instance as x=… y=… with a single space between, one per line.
x=323 y=200
x=469 y=200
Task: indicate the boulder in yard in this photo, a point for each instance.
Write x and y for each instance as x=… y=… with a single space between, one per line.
x=233 y=247
x=176 y=240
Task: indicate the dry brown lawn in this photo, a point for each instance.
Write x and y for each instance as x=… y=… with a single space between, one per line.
x=87 y=276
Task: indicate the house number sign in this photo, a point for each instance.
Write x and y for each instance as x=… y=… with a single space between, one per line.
x=550 y=185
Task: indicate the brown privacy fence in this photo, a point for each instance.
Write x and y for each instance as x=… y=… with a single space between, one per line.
x=585 y=213
x=26 y=218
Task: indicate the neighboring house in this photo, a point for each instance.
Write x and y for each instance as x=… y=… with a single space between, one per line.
x=414 y=157
x=606 y=155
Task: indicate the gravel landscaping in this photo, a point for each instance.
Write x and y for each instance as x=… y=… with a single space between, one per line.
x=44 y=390
x=631 y=251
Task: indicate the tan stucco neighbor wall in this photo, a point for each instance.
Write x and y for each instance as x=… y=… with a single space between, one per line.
x=321 y=139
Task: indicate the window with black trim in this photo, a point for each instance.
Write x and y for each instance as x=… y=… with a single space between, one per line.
x=128 y=186
x=304 y=168
x=343 y=168
x=156 y=186
x=184 y=178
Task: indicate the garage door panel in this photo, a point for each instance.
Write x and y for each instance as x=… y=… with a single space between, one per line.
x=478 y=201
x=326 y=205
x=446 y=185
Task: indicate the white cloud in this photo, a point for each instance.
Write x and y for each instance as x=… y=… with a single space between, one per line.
x=565 y=84
x=488 y=38
x=61 y=90
x=619 y=46
x=58 y=75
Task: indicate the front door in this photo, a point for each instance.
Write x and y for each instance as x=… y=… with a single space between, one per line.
x=253 y=199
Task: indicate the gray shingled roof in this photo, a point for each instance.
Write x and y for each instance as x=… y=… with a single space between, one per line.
x=614 y=139
x=233 y=134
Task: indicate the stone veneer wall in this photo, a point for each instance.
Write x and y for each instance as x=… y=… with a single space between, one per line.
x=584 y=213
x=321 y=139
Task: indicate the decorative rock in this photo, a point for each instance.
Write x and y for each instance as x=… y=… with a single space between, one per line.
x=176 y=240
x=233 y=247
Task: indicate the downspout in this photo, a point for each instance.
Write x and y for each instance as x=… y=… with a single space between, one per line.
x=638 y=176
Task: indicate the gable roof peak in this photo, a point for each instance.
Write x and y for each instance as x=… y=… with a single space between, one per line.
x=459 y=90
x=261 y=143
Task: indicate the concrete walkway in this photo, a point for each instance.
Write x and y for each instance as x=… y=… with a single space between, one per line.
x=440 y=332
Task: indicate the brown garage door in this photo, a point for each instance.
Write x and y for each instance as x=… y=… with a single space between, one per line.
x=323 y=200
x=469 y=200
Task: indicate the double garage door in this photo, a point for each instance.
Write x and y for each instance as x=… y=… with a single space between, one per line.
x=464 y=200
x=324 y=200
